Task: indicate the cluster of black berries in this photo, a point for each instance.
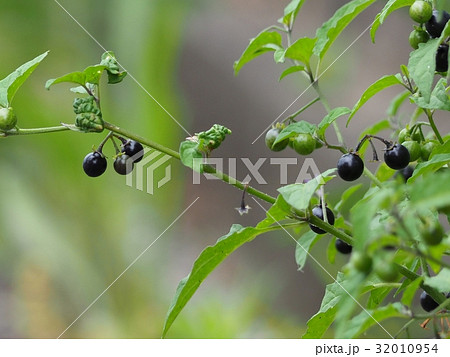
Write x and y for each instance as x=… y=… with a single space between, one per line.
x=434 y=21
x=350 y=166
x=94 y=164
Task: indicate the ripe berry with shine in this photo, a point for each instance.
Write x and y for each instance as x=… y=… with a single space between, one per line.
x=94 y=164
x=427 y=302
x=343 y=247
x=397 y=157
x=437 y=23
x=318 y=212
x=123 y=164
x=350 y=167
x=134 y=150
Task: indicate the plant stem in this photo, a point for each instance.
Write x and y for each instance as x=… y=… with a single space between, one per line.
x=301 y=110
x=372 y=177
x=18 y=131
x=433 y=125
x=331 y=229
x=326 y=105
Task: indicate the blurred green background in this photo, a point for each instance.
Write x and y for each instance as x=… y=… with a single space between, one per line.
x=65 y=237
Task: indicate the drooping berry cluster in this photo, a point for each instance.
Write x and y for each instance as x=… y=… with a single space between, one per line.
x=131 y=152
x=302 y=143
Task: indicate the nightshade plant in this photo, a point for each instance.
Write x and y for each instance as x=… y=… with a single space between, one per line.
x=395 y=234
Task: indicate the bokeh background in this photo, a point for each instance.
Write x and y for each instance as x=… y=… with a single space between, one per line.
x=64 y=237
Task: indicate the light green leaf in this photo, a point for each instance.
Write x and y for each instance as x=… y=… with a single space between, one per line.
x=439 y=98
x=291 y=11
x=332 y=251
x=300 y=127
x=302 y=50
x=279 y=55
x=433 y=191
x=389 y=8
x=396 y=103
x=322 y=320
x=74 y=77
x=190 y=155
x=432 y=165
x=440 y=282
x=212 y=256
x=422 y=64
x=410 y=291
x=10 y=84
x=299 y=195
x=366 y=319
x=441 y=149
x=383 y=83
x=304 y=244
x=264 y=42
x=94 y=73
x=331 y=29
x=290 y=70
x=330 y=118
x=377 y=296
x=346 y=203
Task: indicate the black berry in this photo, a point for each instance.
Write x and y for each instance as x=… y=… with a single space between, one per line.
x=427 y=302
x=94 y=164
x=317 y=211
x=397 y=157
x=350 y=167
x=123 y=164
x=343 y=247
x=437 y=23
x=133 y=149
x=442 y=58
x=405 y=173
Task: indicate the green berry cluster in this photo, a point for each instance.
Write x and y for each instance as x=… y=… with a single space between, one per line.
x=302 y=143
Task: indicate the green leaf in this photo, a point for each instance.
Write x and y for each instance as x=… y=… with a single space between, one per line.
x=299 y=195
x=300 y=127
x=330 y=118
x=304 y=244
x=440 y=282
x=279 y=55
x=10 y=84
x=383 y=83
x=73 y=77
x=212 y=256
x=396 y=103
x=366 y=319
x=115 y=75
x=432 y=165
x=331 y=29
x=410 y=291
x=291 y=11
x=422 y=64
x=322 y=320
x=190 y=156
x=389 y=8
x=433 y=191
x=439 y=98
x=441 y=149
x=332 y=251
x=290 y=70
x=377 y=296
x=346 y=203
x=302 y=50
x=93 y=73
x=264 y=42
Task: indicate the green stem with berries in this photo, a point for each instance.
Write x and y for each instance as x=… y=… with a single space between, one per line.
x=433 y=125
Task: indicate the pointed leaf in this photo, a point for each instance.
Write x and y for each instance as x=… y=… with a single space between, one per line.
x=291 y=11
x=304 y=244
x=301 y=50
x=389 y=8
x=74 y=77
x=432 y=165
x=265 y=41
x=441 y=281
x=433 y=191
x=331 y=29
x=190 y=155
x=290 y=70
x=10 y=84
x=322 y=320
x=422 y=64
x=212 y=256
x=330 y=118
x=94 y=73
x=383 y=83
